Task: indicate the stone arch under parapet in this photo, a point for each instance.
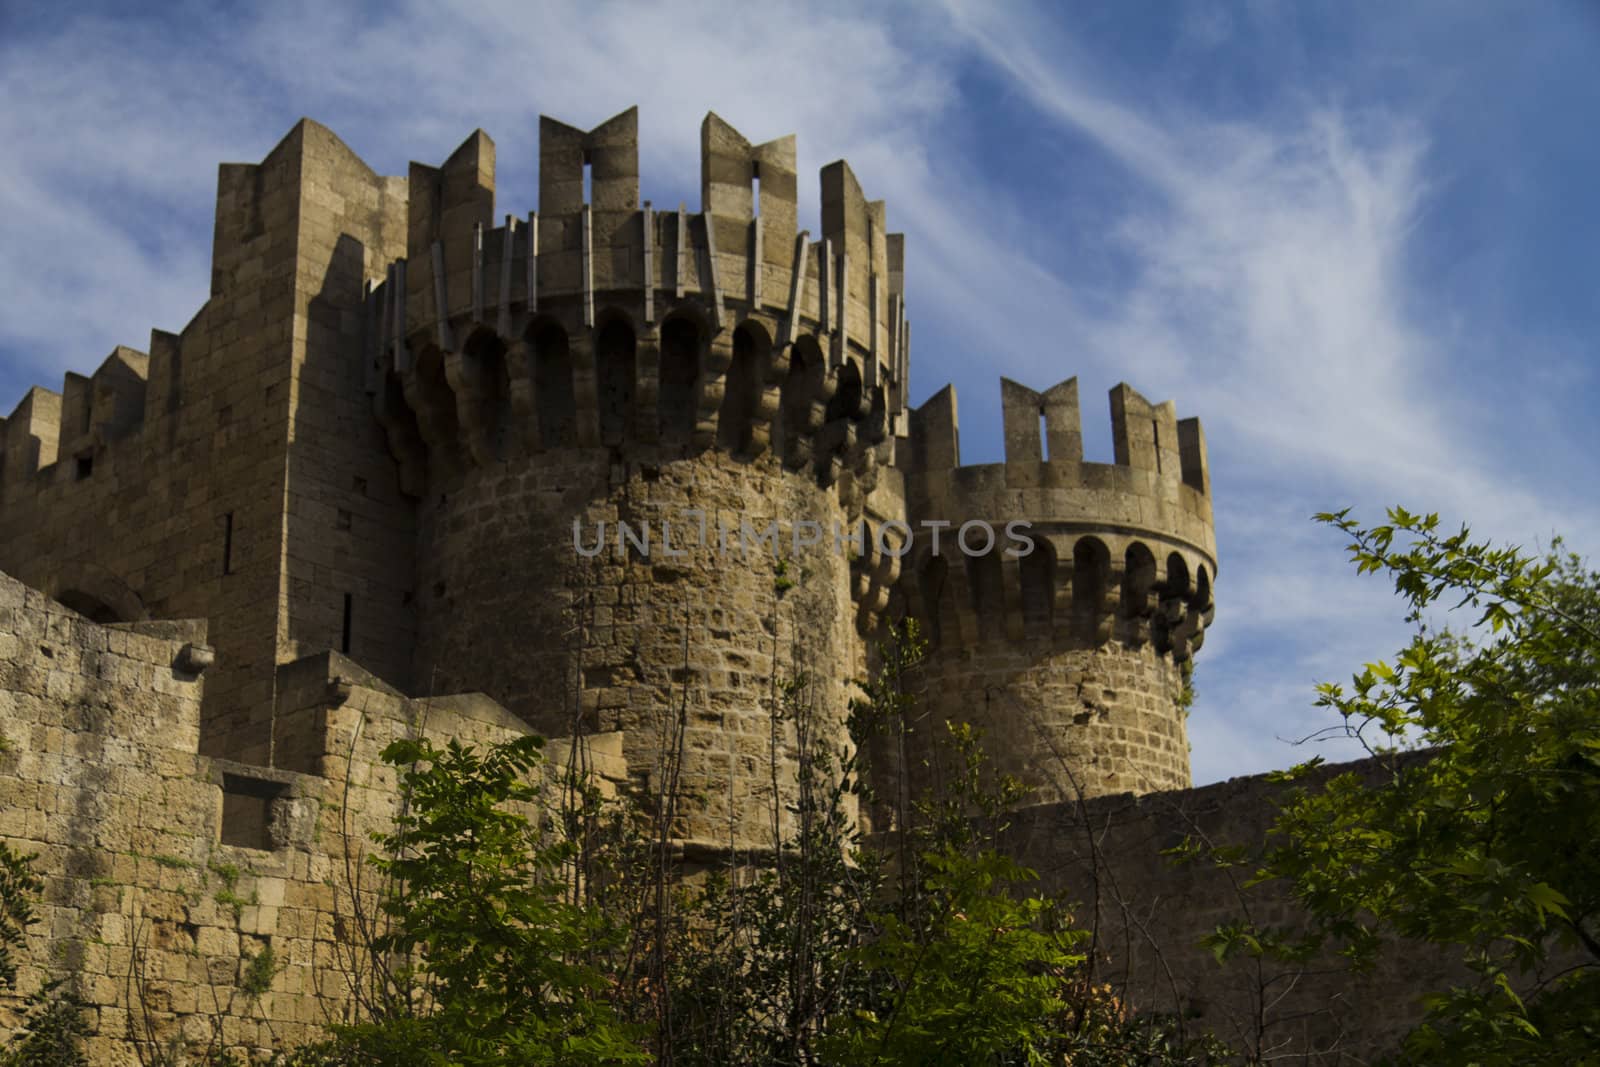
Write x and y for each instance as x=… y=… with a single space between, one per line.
x=550 y=359
x=843 y=410
x=1176 y=582
x=1037 y=577
x=616 y=359
x=1091 y=573
x=1138 y=579
x=683 y=349
x=986 y=580
x=846 y=400
x=801 y=390
x=97 y=594
x=485 y=352
x=437 y=401
x=741 y=397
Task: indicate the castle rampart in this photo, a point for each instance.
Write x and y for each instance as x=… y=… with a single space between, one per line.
x=603 y=363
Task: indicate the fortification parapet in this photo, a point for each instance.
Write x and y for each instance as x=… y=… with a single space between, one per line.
x=1069 y=633
x=1125 y=546
x=598 y=321
x=62 y=435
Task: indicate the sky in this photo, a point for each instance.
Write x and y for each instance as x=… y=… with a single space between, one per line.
x=1358 y=239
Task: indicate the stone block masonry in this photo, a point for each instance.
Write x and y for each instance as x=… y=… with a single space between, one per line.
x=167 y=871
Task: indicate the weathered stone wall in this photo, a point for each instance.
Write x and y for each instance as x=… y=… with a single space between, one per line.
x=1101 y=719
x=683 y=636
x=1149 y=913
x=166 y=871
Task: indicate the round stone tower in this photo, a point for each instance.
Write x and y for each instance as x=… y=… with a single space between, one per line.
x=639 y=441
x=1073 y=657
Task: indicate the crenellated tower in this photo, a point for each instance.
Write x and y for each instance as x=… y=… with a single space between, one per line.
x=1072 y=655
x=602 y=410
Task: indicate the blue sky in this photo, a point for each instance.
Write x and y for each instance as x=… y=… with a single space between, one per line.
x=1357 y=239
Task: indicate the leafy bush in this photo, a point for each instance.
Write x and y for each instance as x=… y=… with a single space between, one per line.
x=1480 y=832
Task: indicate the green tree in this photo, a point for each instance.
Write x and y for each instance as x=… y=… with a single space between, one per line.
x=963 y=960
x=496 y=967
x=979 y=974
x=52 y=1029
x=1482 y=828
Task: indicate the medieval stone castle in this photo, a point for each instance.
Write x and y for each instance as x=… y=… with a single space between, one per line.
x=414 y=466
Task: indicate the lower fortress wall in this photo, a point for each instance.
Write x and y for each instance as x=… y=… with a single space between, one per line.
x=166 y=871
x=1149 y=913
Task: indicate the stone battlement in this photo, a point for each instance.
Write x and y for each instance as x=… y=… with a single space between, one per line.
x=60 y=436
x=740 y=253
x=598 y=321
x=1126 y=547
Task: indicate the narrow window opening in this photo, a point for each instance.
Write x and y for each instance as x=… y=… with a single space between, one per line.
x=85 y=467
x=227 y=543
x=1155 y=435
x=755 y=190
x=344 y=639
x=1044 y=437
x=588 y=180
